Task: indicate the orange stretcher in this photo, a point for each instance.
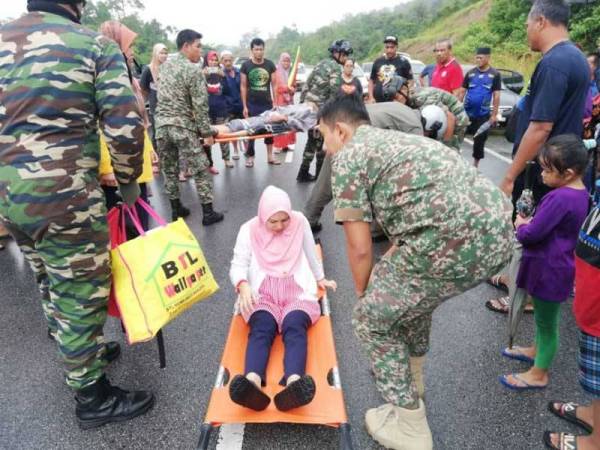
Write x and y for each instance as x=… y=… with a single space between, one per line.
x=327 y=408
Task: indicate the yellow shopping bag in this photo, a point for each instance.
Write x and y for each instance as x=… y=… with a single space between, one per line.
x=158 y=275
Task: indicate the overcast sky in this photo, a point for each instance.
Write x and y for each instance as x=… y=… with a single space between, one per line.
x=223 y=22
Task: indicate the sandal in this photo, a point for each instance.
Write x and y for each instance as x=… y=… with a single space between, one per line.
x=296 y=394
x=566 y=441
x=515 y=387
x=501 y=305
x=568 y=412
x=518 y=356
x=229 y=164
x=236 y=156
x=496 y=282
x=245 y=393
x=250 y=162
x=274 y=162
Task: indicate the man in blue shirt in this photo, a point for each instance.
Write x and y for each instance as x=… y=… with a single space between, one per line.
x=482 y=86
x=555 y=99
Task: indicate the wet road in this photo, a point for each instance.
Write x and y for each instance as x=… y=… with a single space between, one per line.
x=466 y=406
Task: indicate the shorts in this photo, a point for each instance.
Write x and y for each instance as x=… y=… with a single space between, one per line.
x=589 y=363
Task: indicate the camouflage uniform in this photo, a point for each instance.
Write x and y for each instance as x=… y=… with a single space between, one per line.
x=448 y=102
x=321 y=86
x=58 y=80
x=450 y=227
x=181 y=118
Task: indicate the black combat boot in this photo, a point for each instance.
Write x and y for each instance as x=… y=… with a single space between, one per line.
x=304 y=176
x=178 y=210
x=112 y=352
x=100 y=403
x=210 y=216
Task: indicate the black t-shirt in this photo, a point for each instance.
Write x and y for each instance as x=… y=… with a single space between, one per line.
x=557 y=92
x=383 y=69
x=148 y=85
x=259 y=80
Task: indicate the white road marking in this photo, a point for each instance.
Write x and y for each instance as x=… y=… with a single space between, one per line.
x=231 y=437
x=492 y=152
x=289 y=157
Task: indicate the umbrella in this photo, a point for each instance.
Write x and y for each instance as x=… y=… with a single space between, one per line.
x=525 y=207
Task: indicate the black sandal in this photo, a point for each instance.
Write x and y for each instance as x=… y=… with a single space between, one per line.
x=568 y=412
x=245 y=393
x=504 y=301
x=296 y=394
x=566 y=441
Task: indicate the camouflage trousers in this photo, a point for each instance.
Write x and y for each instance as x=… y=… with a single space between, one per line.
x=70 y=260
x=393 y=318
x=314 y=146
x=460 y=129
x=174 y=142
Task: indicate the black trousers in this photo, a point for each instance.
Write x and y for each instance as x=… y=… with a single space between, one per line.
x=479 y=141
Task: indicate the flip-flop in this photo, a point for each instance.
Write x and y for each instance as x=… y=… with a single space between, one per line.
x=296 y=394
x=275 y=162
x=249 y=163
x=490 y=304
x=245 y=393
x=495 y=282
x=236 y=157
x=568 y=412
x=527 y=387
x=518 y=356
x=566 y=441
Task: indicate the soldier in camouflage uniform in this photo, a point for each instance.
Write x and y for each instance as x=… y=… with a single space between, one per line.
x=181 y=120
x=323 y=84
x=450 y=228
x=58 y=82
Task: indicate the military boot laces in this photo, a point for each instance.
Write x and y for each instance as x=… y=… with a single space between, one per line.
x=101 y=403
x=210 y=216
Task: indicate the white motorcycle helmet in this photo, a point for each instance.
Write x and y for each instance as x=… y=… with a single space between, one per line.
x=435 y=122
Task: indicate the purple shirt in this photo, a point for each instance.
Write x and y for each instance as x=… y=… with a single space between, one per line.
x=547 y=269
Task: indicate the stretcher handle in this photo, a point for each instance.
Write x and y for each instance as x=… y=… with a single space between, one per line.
x=241 y=138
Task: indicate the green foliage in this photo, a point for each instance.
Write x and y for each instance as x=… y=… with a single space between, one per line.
x=149 y=33
x=585 y=26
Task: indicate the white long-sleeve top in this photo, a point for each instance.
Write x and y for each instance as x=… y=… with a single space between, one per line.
x=244 y=265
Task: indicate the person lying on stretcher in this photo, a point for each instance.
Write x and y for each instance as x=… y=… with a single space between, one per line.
x=281 y=119
x=276 y=273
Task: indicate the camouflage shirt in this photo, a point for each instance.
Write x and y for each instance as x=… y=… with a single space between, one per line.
x=323 y=83
x=429 y=201
x=182 y=96
x=448 y=102
x=58 y=81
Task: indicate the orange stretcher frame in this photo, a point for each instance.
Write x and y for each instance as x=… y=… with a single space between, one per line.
x=327 y=408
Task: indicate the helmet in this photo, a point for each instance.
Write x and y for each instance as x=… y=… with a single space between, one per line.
x=392 y=86
x=434 y=121
x=341 y=46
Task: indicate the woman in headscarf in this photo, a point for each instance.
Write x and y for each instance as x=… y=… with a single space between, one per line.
x=124 y=37
x=276 y=273
x=283 y=97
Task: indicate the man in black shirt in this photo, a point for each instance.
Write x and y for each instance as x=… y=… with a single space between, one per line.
x=386 y=67
x=256 y=83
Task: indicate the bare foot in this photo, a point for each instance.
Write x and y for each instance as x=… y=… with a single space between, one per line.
x=530 y=377
x=526 y=351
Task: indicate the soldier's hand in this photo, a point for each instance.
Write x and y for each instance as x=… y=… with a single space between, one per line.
x=130 y=193
x=209 y=140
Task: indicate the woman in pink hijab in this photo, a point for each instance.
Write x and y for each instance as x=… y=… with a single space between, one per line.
x=276 y=273
x=283 y=97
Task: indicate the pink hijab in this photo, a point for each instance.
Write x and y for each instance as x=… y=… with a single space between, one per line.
x=278 y=254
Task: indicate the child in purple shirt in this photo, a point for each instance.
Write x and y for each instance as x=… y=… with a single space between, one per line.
x=547 y=267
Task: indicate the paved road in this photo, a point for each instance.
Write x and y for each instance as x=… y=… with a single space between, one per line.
x=466 y=406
